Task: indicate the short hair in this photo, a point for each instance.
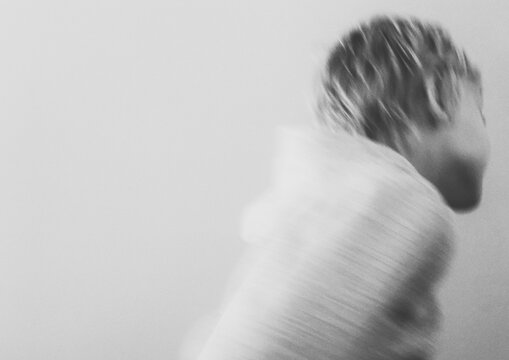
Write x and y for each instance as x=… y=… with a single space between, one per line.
x=384 y=72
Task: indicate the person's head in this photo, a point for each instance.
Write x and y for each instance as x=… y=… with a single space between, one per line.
x=403 y=83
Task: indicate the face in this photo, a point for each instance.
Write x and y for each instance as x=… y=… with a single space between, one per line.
x=454 y=156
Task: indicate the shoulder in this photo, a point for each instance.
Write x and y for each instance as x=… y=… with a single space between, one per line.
x=416 y=210
x=407 y=188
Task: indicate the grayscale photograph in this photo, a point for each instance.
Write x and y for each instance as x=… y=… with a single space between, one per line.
x=262 y=180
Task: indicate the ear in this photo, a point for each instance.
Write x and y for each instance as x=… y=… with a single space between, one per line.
x=442 y=95
x=430 y=84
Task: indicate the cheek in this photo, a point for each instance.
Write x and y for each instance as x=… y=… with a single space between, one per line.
x=482 y=150
x=473 y=147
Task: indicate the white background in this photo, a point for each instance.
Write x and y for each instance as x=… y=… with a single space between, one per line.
x=133 y=133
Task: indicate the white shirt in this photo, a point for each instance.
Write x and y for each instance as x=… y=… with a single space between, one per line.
x=347 y=247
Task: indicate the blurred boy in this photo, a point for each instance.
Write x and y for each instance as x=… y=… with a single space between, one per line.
x=350 y=241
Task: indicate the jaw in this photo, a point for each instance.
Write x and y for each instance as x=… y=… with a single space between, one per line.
x=461 y=187
x=458 y=180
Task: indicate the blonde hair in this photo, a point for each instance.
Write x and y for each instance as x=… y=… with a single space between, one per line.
x=387 y=70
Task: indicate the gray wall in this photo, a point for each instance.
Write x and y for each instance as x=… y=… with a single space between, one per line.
x=133 y=134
